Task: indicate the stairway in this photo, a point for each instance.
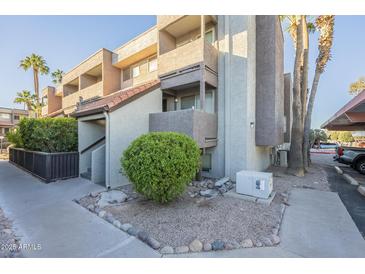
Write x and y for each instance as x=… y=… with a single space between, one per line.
x=87 y=174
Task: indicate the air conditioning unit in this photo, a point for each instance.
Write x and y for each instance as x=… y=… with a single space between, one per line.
x=254 y=183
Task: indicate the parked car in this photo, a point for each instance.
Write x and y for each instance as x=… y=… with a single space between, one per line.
x=353 y=156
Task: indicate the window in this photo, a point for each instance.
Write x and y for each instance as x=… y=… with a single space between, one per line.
x=206 y=162
x=6 y=116
x=135 y=71
x=44 y=100
x=152 y=64
x=16 y=117
x=6 y=130
x=126 y=74
x=188 y=102
x=193 y=101
x=209 y=36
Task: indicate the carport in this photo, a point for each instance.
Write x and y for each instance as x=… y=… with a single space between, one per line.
x=351 y=117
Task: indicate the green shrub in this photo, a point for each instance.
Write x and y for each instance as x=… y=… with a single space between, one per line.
x=14 y=137
x=49 y=134
x=161 y=164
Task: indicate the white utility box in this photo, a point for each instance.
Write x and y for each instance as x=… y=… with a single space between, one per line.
x=254 y=183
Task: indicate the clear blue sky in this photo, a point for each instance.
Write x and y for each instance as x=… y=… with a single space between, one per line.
x=64 y=41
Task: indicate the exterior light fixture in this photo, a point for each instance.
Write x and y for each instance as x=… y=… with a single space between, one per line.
x=252 y=124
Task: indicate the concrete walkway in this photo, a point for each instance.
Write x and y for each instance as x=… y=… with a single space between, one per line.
x=45 y=214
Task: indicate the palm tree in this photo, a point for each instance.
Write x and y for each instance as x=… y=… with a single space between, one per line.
x=26 y=98
x=57 y=76
x=357 y=87
x=325 y=25
x=39 y=65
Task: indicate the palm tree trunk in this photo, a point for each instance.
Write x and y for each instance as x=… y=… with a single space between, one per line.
x=304 y=97
x=36 y=90
x=308 y=118
x=296 y=166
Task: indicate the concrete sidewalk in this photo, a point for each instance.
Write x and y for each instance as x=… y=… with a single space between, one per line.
x=45 y=214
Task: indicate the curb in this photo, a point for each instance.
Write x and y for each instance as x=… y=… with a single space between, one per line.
x=347 y=177
x=361 y=190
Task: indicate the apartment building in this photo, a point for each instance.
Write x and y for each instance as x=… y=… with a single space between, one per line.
x=10 y=117
x=218 y=79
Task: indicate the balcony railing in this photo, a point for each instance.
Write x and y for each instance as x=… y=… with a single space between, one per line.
x=86 y=93
x=195 y=52
x=199 y=125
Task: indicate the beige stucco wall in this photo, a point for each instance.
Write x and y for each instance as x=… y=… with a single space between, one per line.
x=126 y=124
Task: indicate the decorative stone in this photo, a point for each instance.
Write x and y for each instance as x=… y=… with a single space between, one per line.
x=208 y=193
x=222 y=190
x=207 y=247
x=7 y=231
x=142 y=235
x=247 y=243
x=109 y=218
x=182 y=249
x=232 y=245
x=258 y=243
x=91 y=207
x=167 y=250
x=275 y=239
x=94 y=194
x=111 y=197
x=221 y=182
x=266 y=241
x=133 y=231
x=102 y=214
x=210 y=184
x=218 y=245
x=117 y=224
x=196 y=246
x=275 y=231
x=153 y=243
x=125 y=227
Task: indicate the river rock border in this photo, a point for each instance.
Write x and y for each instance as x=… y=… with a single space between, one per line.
x=196 y=245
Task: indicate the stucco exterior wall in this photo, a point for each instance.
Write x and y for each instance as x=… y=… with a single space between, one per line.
x=288 y=110
x=126 y=124
x=236 y=149
x=269 y=81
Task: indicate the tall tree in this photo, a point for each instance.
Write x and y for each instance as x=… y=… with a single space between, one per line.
x=57 y=76
x=39 y=66
x=325 y=25
x=357 y=86
x=26 y=98
x=295 y=164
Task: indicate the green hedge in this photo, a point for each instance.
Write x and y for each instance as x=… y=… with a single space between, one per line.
x=161 y=164
x=48 y=134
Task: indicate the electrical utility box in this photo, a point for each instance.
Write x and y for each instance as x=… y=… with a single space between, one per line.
x=254 y=183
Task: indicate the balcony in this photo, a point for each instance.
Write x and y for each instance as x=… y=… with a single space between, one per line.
x=201 y=126
x=186 y=64
x=91 y=91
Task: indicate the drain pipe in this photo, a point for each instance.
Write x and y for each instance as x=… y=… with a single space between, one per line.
x=107 y=149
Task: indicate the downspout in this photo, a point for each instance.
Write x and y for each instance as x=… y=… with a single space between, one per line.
x=107 y=149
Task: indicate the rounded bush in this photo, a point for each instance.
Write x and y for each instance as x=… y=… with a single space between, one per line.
x=161 y=164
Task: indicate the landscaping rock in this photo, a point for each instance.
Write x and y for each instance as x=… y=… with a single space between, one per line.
x=207 y=247
x=125 y=227
x=247 y=243
x=153 y=243
x=218 y=245
x=94 y=194
x=7 y=231
x=266 y=241
x=275 y=239
x=133 y=231
x=196 y=246
x=232 y=245
x=142 y=235
x=117 y=224
x=210 y=184
x=182 y=249
x=102 y=214
x=221 y=182
x=167 y=250
x=91 y=207
x=258 y=243
x=109 y=218
x=208 y=193
x=275 y=231
x=222 y=190
x=111 y=197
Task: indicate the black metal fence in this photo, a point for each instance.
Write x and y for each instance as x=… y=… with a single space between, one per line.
x=46 y=166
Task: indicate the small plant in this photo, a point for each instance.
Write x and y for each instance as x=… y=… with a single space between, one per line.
x=161 y=164
x=14 y=137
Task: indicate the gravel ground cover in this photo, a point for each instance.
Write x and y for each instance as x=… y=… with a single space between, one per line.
x=8 y=240
x=197 y=223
